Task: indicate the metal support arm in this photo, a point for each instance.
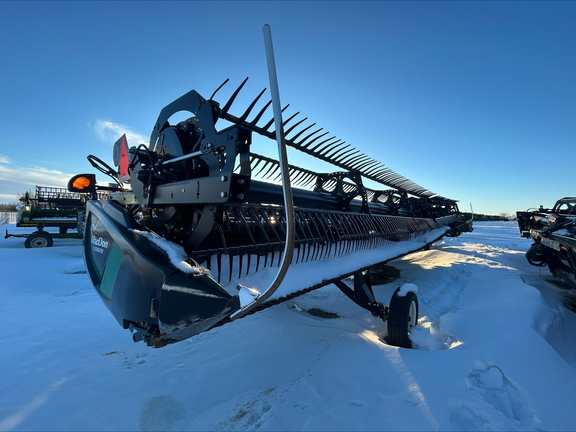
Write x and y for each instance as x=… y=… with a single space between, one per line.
x=363 y=295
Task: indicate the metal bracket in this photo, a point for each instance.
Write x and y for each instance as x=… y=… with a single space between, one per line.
x=333 y=184
x=363 y=295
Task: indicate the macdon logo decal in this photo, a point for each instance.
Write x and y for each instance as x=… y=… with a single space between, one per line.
x=98 y=244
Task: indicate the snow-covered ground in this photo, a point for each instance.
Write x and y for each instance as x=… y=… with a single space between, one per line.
x=492 y=353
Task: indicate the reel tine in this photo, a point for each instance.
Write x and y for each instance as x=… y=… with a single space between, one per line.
x=259 y=115
x=339 y=242
x=317 y=230
x=324 y=237
x=291 y=128
x=233 y=97
x=271 y=171
x=356 y=159
x=216 y=91
x=284 y=123
x=375 y=169
x=341 y=157
x=348 y=229
x=336 y=149
x=319 y=136
x=348 y=187
x=304 y=226
x=324 y=150
x=350 y=157
x=300 y=133
x=279 y=174
x=320 y=143
x=267 y=125
x=328 y=237
x=309 y=241
x=242 y=218
x=251 y=106
x=258 y=222
x=280 y=221
x=299 y=177
x=306 y=242
x=219 y=265
x=266 y=163
x=269 y=222
x=368 y=163
x=256 y=161
x=240 y=262
x=311 y=178
x=308 y=136
x=357 y=234
x=297 y=241
x=230 y=266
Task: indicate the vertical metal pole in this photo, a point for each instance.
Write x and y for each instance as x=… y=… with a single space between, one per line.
x=285 y=176
x=281 y=141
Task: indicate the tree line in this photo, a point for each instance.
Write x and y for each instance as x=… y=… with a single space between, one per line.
x=8 y=207
x=491 y=218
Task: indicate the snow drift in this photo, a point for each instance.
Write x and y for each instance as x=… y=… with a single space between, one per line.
x=492 y=352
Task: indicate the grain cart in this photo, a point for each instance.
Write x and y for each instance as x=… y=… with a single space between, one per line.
x=211 y=231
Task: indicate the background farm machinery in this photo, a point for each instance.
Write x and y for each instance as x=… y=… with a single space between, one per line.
x=49 y=207
x=52 y=207
x=203 y=212
x=554 y=234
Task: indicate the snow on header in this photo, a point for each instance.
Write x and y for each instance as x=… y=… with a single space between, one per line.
x=176 y=253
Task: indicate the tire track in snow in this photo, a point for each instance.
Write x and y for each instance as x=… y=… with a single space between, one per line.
x=428 y=335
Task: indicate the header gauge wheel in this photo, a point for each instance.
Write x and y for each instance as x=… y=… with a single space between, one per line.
x=402 y=318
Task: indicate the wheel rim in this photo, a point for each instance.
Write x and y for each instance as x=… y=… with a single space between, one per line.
x=412 y=316
x=39 y=242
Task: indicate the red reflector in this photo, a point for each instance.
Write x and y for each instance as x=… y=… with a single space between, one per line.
x=123 y=173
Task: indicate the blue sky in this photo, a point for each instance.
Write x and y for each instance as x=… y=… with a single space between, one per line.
x=475 y=101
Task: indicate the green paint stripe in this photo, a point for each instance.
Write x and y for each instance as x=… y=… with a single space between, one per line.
x=111 y=271
x=92 y=261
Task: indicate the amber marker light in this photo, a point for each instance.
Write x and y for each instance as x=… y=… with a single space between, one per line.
x=81 y=183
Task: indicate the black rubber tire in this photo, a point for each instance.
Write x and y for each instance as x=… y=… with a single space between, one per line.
x=400 y=321
x=38 y=241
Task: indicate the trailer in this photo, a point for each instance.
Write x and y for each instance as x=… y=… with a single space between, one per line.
x=50 y=207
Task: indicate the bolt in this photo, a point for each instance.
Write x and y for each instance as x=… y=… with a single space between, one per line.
x=241 y=196
x=224 y=178
x=223 y=194
x=241 y=181
x=183 y=190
